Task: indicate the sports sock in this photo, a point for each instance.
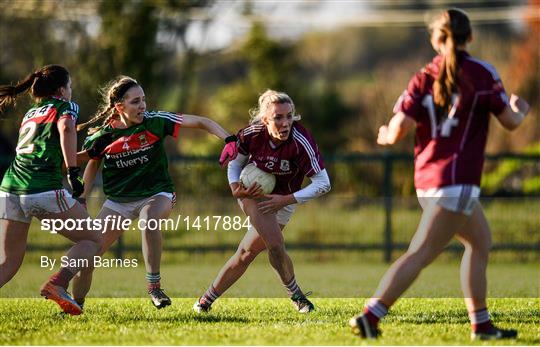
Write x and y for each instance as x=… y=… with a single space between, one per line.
x=374 y=311
x=153 y=281
x=293 y=288
x=480 y=321
x=209 y=296
x=62 y=278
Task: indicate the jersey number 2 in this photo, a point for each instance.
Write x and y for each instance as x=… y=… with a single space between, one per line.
x=448 y=122
x=25 y=145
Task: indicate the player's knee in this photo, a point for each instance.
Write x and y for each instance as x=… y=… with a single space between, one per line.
x=10 y=262
x=8 y=269
x=93 y=246
x=479 y=245
x=423 y=257
x=483 y=247
x=95 y=237
x=246 y=256
x=85 y=272
x=276 y=250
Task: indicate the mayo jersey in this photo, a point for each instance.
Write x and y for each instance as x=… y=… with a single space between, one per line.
x=451 y=150
x=38 y=162
x=289 y=161
x=135 y=164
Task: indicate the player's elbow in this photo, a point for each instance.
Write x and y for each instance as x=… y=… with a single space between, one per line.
x=325 y=188
x=512 y=125
x=207 y=123
x=66 y=127
x=510 y=119
x=324 y=185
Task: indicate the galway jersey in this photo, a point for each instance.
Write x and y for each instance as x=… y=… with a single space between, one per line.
x=289 y=161
x=451 y=150
x=135 y=164
x=38 y=162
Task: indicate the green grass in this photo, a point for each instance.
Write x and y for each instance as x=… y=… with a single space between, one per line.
x=254 y=322
x=326 y=279
x=255 y=312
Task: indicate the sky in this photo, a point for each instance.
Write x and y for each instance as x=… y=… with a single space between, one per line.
x=289 y=19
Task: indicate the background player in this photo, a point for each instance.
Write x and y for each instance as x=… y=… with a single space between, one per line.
x=136 y=180
x=449 y=102
x=32 y=186
x=278 y=144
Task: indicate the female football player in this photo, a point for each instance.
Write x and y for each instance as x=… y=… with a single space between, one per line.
x=32 y=186
x=277 y=143
x=136 y=181
x=449 y=102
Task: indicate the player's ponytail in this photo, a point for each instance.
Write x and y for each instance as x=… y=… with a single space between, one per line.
x=42 y=83
x=452 y=28
x=266 y=99
x=106 y=113
x=112 y=93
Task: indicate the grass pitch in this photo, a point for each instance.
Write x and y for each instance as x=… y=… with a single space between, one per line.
x=255 y=312
x=254 y=322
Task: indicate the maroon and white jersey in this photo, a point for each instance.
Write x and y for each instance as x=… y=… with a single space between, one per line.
x=289 y=161
x=451 y=151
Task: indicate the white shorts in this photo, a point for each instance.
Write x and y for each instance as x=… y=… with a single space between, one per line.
x=283 y=216
x=131 y=210
x=22 y=208
x=461 y=198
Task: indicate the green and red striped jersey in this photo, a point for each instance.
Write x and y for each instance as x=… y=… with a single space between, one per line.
x=135 y=164
x=38 y=163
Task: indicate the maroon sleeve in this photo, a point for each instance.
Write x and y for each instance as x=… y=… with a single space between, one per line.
x=243 y=141
x=410 y=102
x=309 y=158
x=498 y=100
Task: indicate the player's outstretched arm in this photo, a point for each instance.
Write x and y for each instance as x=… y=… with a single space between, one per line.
x=397 y=128
x=204 y=123
x=512 y=116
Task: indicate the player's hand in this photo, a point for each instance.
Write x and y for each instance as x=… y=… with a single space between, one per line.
x=275 y=203
x=519 y=105
x=382 y=138
x=229 y=152
x=253 y=192
x=75 y=181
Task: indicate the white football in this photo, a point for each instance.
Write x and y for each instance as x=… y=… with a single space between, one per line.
x=251 y=174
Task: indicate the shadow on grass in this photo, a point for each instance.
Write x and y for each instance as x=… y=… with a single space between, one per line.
x=218 y=319
x=461 y=317
x=172 y=317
